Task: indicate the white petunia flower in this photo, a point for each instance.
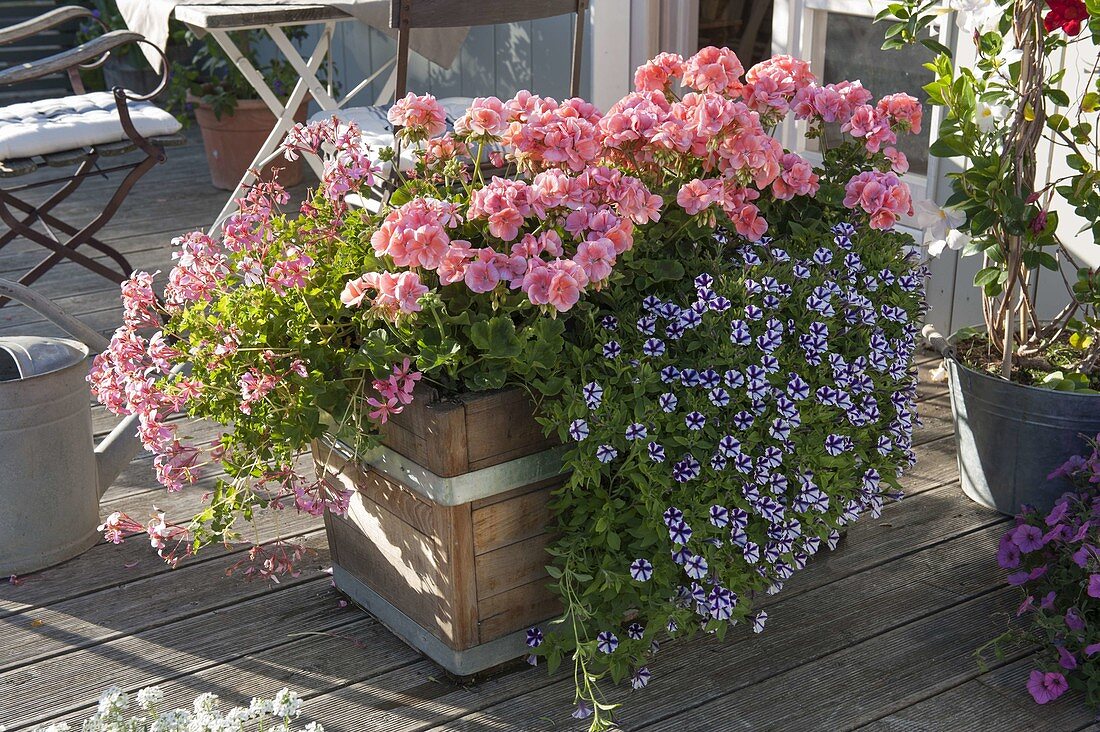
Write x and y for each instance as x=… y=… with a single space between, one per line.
x=976 y=16
x=286 y=703
x=986 y=116
x=207 y=702
x=940 y=226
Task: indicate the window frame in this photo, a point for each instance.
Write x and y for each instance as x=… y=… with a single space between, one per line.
x=798 y=29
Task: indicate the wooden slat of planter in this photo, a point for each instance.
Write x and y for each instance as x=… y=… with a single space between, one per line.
x=404 y=566
x=520 y=606
x=463 y=599
x=513 y=565
x=519 y=517
x=501 y=427
x=432 y=434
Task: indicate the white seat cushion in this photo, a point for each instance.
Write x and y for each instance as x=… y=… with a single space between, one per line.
x=49 y=126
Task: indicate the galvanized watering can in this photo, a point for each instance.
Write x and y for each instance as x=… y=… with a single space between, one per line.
x=51 y=474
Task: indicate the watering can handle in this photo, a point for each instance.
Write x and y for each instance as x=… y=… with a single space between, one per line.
x=51 y=312
x=940 y=344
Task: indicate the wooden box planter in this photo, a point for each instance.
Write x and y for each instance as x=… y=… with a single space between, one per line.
x=445 y=538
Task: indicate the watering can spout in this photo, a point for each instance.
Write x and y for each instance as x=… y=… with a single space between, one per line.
x=115 y=452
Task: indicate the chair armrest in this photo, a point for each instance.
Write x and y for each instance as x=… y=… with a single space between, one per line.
x=34 y=26
x=93 y=50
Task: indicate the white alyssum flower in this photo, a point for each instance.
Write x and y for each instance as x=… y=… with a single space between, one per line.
x=313 y=727
x=113 y=701
x=286 y=704
x=986 y=116
x=149 y=697
x=207 y=702
x=176 y=720
x=976 y=16
x=940 y=226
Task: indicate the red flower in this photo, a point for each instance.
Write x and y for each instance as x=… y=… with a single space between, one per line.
x=1065 y=14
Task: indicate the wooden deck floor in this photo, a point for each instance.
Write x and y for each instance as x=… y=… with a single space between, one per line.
x=877 y=635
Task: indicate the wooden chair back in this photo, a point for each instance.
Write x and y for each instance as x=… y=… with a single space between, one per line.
x=408 y=14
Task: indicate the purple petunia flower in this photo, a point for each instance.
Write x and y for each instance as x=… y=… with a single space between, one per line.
x=641 y=570
x=1008 y=554
x=1074 y=621
x=609 y=322
x=635 y=631
x=582 y=711
x=667 y=402
x=1028 y=538
x=1066 y=660
x=1046 y=687
x=1094 y=585
x=534 y=637
x=636 y=431
x=612 y=349
x=758 y=621
x=640 y=678
x=653 y=347
x=672 y=515
x=656 y=452
x=606 y=642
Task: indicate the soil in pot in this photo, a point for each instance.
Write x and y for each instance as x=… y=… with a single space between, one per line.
x=1029 y=369
x=232 y=142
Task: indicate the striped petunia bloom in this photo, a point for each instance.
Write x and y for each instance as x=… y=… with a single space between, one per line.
x=667 y=402
x=758 y=620
x=656 y=452
x=641 y=570
x=635 y=631
x=653 y=347
x=534 y=637
x=606 y=453
x=636 y=431
x=640 y=678
x=606 y=642
x=578 y=429
x=593 y=394
x=719 y=516
x=695 y=420
x=679 y=532
x=696 y=567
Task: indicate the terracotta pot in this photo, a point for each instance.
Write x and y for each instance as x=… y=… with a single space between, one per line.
x=232 y=142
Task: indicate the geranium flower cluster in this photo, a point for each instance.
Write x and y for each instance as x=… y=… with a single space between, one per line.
x=721 y=131
x=1054 y=557
x=737 y=421
x=116 y=711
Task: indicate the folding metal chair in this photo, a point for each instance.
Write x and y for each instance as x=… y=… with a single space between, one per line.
x=74 y=132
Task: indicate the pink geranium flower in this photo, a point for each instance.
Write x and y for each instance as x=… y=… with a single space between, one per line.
x=485 y=119
x=658 y=73
x=714 y=70
x=418 y=116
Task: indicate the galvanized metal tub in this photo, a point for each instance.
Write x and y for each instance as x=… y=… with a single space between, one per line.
x=1010 y=437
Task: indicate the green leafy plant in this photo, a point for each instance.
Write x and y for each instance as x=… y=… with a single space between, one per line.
x=997 y=111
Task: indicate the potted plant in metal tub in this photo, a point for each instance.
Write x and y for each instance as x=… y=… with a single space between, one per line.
x=1022 y=390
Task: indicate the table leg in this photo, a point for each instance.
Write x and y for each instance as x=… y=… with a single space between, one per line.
x=284 y=114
